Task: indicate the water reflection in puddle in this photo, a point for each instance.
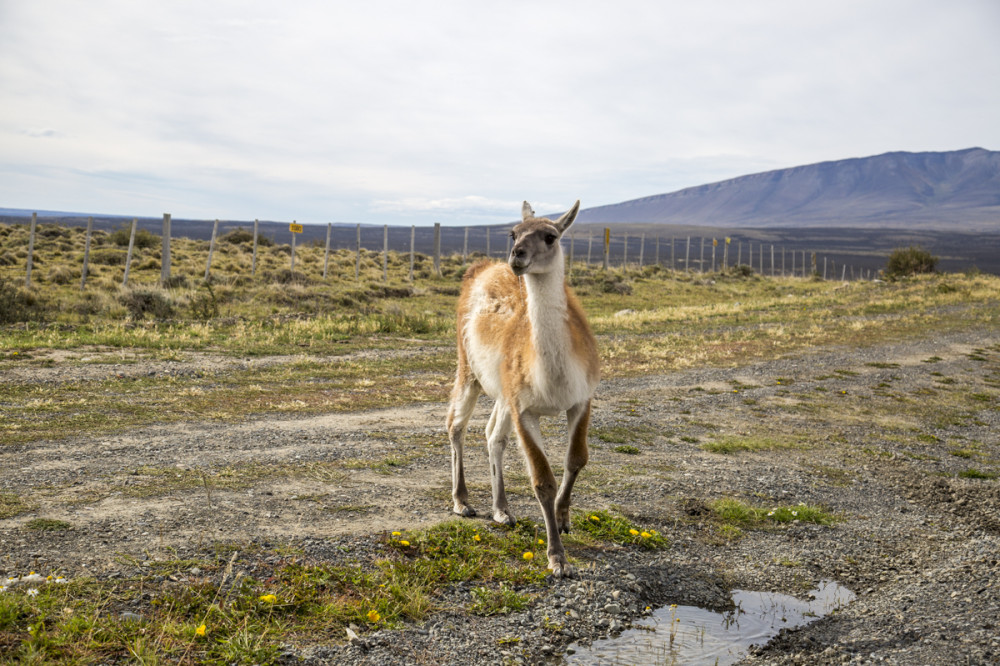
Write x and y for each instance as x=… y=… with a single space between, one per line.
x=692 y=635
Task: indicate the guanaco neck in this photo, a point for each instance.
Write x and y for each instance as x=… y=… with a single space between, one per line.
x=546 y=302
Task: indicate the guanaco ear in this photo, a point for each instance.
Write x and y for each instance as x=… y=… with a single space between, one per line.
x=526 y=212
x=564 y=222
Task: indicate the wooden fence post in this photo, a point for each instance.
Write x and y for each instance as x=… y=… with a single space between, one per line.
x=437 y=247
x=211 y=247
x=487 y=242
x=673 y=258
x=292 y=269
x=165 y=252
x=465 y=247
x=86 y=254
x=253 y=260
x=607 y=247
x=657 y=250
x=413 y=237
x=507 y=253
x=725 y=255
x=625 y=250
x=701 y=258
x=687 y=256
x=128 y=257
x=642 y=249
x=385 y=253
x=715 y=244
x=357 y=257
x=31 y=247
x=590 y=246
x=326 y=254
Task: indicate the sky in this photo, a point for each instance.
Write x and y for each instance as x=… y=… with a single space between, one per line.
x=409 y=112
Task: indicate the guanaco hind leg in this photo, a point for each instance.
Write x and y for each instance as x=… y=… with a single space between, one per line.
x=463 y=401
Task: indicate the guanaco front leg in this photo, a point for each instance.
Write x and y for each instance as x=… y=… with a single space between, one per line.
x=497 y=432
x=544 y=483
x=577 y=421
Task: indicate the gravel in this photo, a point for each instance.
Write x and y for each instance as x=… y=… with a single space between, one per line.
x=917 y=543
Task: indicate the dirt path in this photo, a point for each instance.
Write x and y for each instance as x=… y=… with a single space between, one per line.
x=879 y=436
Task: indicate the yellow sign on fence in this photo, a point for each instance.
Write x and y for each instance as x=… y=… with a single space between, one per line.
x=295 y=228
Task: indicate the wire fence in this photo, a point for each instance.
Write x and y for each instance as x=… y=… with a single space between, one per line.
x=690 y=254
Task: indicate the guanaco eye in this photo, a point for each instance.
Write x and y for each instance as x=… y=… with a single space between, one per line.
x=513 y=235
x=550 y=239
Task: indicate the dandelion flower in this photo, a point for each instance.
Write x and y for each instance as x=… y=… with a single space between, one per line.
x=634 y=532
x=595 y=519
x=373 y=616
x=269 y=598
x=476 y=537
x=396 y=534
x=404 y=543
x=528 y=555
x=541 y=542
x=646 y=535
x=200 y=631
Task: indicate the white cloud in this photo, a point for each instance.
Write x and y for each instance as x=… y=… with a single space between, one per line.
x=371 y=111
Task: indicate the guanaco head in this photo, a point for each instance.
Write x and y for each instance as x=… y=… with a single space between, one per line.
x=536 y=240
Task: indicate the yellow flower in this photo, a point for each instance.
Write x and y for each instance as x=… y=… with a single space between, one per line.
x=373 y=616
x=396 y=533
x=269 y=599
x=200 y=631
x=634 y=532
x=595 y=519
x=646 y=535
x=404 y=543
x=476 y=537
x=528 y=555
x=541 y=542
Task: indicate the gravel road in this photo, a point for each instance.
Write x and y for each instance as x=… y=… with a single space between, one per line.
x=879 y=436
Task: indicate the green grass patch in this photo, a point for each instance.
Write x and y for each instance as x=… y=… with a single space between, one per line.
x=219 y=616
x=500 y=600
x=47 y=525
x=736 y=444
x=605 y=526
x=735 y=513
x=973 y=473
x=627 y=449
x=12 y=505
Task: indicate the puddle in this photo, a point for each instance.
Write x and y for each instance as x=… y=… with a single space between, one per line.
x=691 y=635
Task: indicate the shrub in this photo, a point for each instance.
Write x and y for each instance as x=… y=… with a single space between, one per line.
x=141 y=301
x=108 y=256
x=63 y=275
x=204 y=305
x=237 y=236
x=143 y=237
x=17 y=304
x=912 y=260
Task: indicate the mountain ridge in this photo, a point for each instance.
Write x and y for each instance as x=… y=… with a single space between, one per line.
x=946 y=190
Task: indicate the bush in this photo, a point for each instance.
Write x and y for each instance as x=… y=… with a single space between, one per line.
x=237 y=236
x=17 y=304
x=910 y=261
x=142 y=301
x=143 y=237
x=108 y=256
